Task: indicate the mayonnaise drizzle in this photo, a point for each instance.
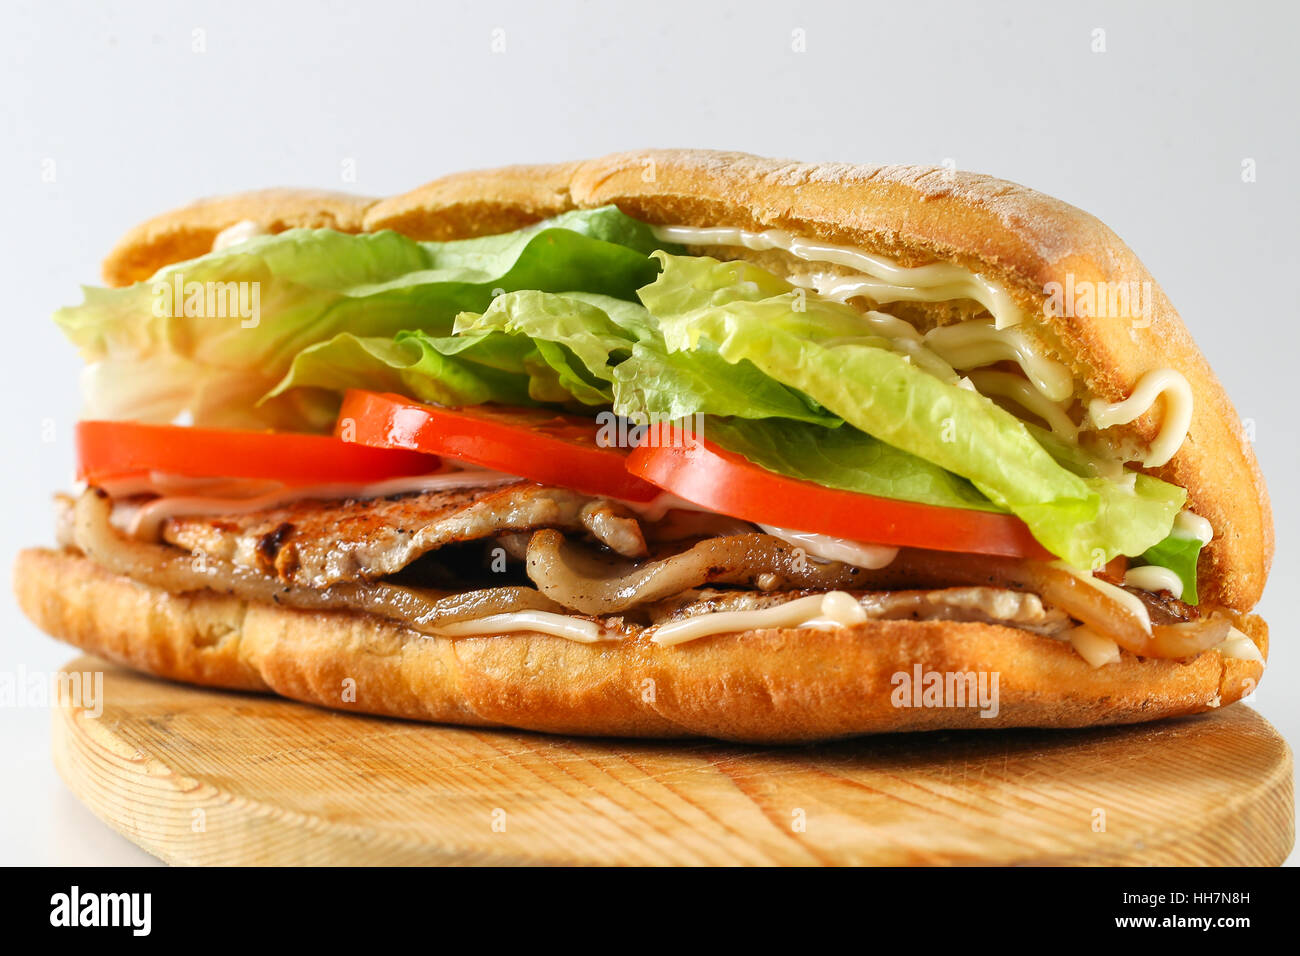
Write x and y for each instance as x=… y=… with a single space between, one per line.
x=1177 y=417
x=1190 y=525
x=1153 y=578
x=832 y=609
x=1097 y=649
x=657 y=507
x=976 y=342
x=1239 y=646
x=965 y=345
x=241 y=231
x=886 y=281
x=828 y=548
x=542 y=622
x=1006 y=385
x=941 y=351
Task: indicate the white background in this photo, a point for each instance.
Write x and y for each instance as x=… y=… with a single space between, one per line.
x=1149 y=135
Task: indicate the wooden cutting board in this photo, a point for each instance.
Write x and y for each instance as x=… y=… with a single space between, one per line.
x=210 y=777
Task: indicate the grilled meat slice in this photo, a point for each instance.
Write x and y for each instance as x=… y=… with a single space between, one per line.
x=320 y=543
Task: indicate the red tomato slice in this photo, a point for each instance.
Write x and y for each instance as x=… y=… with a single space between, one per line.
x=118 y=449
x=544 y=446
x=707 y=475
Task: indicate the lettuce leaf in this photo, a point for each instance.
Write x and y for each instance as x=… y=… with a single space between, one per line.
x=619 y=343
x=531 y=347
x=844 y=458
x=823 y=349
x=1133 y=509
x=447 y=370
x=153 y=362
x=1180 y=554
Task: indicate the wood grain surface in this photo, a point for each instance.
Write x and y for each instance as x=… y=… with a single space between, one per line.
x=209 y=777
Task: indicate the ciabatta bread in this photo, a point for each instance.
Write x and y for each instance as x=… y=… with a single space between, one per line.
x=770 y=686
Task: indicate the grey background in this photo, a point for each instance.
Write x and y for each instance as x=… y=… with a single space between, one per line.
x=1150 y=136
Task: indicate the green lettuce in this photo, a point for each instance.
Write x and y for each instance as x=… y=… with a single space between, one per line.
x=1133 y=509
x=824 y=350
x=152 y=362
x=533 y=347
x=447 y=370
x=1180 y=554
x=619 y=343
x=844 y=458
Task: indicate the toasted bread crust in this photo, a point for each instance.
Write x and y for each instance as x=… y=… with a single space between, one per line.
x=774 y=686
x=912 y=214
x=459 y=206
x=189 y=231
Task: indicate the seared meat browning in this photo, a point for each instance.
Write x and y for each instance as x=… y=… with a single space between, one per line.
x=334 y=549
x=1163 y=607
x=321 y=543
x=428 y=611
x=333 y=554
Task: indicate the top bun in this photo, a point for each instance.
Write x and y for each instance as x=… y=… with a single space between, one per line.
x=189 y=232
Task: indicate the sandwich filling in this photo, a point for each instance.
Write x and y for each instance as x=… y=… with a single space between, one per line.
x=603 y=430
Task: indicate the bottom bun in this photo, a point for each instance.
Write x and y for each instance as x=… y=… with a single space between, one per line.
x=770 y=686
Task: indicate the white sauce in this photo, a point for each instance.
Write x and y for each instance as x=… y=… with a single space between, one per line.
x=542 y=622
x=828 y=548
x=1190 y=525
x=1005 y=385
x=1177 y=417
x=241 y=231
x=966 y=345
x=833 y=609
x=1238 y=646
x=658 y=506
x=823 y=546
x=887 y=281
x=1094 y=648
x=977 y=342
x=1153 y=578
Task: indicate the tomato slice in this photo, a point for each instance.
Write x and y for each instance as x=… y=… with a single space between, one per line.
x=544 y=446
x=714 y=478
x=108 y=449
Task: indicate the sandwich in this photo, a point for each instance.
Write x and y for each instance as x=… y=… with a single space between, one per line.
x=664 y=444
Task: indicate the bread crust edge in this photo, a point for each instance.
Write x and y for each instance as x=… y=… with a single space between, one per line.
x=771 y=686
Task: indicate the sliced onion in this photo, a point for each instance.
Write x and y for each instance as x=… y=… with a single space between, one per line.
x=600 y=584
x=1188 y=640
x=1101 y=612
